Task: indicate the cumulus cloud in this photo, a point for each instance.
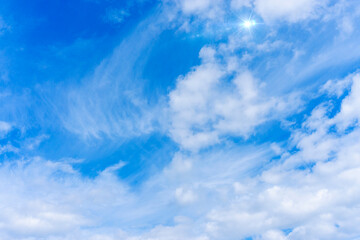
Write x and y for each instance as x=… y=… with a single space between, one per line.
x=51 y=200
x=215 y=99
x=306 y=193
x=43 y=199
x=228 y=193
x=315 y=200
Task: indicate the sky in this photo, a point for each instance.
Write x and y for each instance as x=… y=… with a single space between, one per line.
x=179 y=119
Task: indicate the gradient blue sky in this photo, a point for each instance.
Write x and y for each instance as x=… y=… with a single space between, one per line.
x=171 y=120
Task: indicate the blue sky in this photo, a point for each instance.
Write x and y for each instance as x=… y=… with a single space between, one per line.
x=175 y=119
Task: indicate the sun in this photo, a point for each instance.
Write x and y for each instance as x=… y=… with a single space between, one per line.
x=248 y=24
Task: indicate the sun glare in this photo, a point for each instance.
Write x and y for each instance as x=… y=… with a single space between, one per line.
x=249 y=23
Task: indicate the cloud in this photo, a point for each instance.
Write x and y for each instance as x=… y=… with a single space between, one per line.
x=204 y=8
x=303 y=188
x=3 y=26
x=217 y=99
x=197 y=5
x=110 y=103
x=305 y=194
x=50 y=198
x=219 y=11
x=227 y=193
x=337 y=87
x=116 y=15
x=293 y=194
x=288 y=10
x=5 y=127
x=238 y=4
x=321 y=48
x=350 y=108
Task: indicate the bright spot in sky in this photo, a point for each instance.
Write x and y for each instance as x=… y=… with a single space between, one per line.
x=249 y=23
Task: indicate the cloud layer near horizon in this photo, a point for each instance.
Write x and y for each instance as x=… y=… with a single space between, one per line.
x=220 y=194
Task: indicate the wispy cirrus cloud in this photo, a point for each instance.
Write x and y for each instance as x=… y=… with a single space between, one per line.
x=110 y=102
x=116 y=15
x=3 y=26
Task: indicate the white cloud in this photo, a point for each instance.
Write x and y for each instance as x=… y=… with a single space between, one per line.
x=274 y=235
x=185 y=196
x=49 y=199
x=5 y=127
x=214 y=99
x=196 y=5
x=350 y=108
x=316 y=203
x=116 y=15
x=202 y=8
x=192 y=15
x=237 y=4
x=33 y=143
x=110 y=102
x=288 y=10
x=337 y=87
x=229 y=193
x=270 y=10
x=7 y=148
